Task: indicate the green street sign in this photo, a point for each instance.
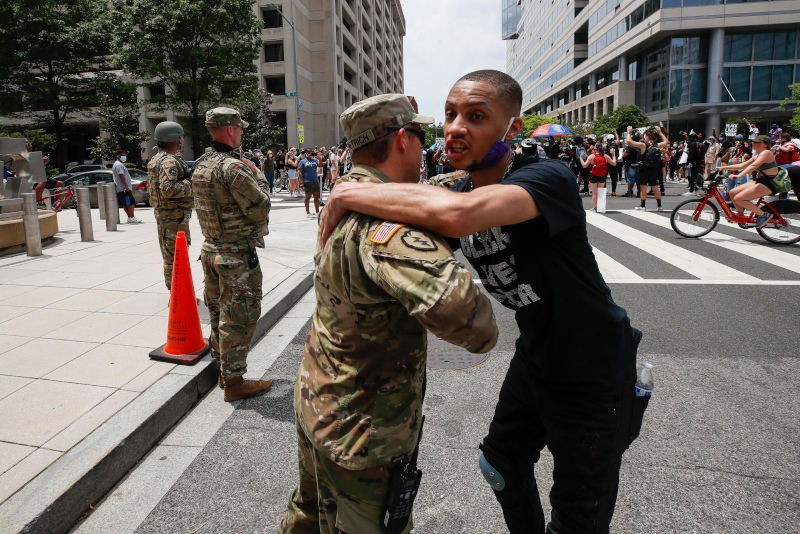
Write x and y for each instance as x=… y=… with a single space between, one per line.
x=290 y=95
x=300 y=103
x=518 y=139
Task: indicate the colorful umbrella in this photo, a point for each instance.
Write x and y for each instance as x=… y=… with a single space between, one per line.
x=550 y=130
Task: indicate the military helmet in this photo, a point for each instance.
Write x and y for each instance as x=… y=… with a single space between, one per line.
x=168 y=132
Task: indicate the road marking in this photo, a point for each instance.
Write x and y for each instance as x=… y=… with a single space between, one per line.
x=751 y=249
x=612 y=270
x=696 y=265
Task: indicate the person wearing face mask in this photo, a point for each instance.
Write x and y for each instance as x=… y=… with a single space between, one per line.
x=122 y=179
x=291 y=166
x=520 y=222
x=232 y=204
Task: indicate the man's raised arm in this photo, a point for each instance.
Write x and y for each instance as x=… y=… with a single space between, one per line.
x=433 y=208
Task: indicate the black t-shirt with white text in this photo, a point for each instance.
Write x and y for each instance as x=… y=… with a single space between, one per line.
x=571 y=330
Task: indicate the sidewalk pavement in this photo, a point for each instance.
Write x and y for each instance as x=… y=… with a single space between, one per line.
x=81 y=400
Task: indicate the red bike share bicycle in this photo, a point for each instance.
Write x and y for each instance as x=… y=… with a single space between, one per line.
x=698 y=216
x=59 y=197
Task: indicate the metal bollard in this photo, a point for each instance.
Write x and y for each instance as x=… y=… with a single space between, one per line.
x=116 y=204
x=30 y=221
x=85 y=213
x=101 y=199
x=110 y=202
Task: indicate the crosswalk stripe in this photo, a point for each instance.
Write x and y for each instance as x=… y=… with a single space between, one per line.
x=757 y=251
x=612 y=270
x=685 y=260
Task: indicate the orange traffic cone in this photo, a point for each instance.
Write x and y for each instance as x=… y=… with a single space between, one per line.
x=185 y=343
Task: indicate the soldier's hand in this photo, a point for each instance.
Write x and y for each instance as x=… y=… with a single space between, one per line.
x=251 y=165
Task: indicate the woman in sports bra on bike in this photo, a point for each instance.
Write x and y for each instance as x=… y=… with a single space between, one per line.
x=769 y=180
x=599 y=161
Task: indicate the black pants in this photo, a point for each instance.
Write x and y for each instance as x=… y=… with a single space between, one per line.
x=695 y=177
x=613 y=173
x=584 y=173
x=587 y=433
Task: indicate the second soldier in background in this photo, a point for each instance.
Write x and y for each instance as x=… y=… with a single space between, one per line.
x=232 y=206
x=170 y=192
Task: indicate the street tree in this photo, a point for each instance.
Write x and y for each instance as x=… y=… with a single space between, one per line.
x=190 y=47
x=432 y=131
x=254 y=103
x=793 y=100
x=620 y=119
x=52 y=62
x=581 y=128
x=531 y=122
x=119 y=121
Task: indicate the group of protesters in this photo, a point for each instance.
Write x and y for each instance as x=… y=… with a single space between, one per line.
x=687 y=159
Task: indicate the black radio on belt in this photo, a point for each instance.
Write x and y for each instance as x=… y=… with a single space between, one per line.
x=403 y=489
x=252 y=259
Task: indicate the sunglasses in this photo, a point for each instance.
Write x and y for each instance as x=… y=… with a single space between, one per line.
x=416 y=131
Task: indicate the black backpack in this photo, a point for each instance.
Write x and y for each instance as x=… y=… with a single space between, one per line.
x=652 y=157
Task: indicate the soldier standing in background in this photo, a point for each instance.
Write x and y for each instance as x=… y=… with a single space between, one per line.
x=232 y=206
x=170 y=192
x=379 y=285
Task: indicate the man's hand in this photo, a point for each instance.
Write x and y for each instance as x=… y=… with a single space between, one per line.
x=251 y=165
x=658 y=129
x=334 y=212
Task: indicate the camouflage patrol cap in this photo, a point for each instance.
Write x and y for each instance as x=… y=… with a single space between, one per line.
x=368 y=120
x=224 y=117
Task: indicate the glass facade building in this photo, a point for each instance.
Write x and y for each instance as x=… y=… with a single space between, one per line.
x=696 y=62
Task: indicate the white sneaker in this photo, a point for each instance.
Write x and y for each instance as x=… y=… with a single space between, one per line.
x=133 y=220
x=688 y=193
x=310 y=215
x=660 y=208
x=640 y=208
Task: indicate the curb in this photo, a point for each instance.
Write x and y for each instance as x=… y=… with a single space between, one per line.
x=57 y=498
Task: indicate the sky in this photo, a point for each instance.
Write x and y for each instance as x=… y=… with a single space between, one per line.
x=446 y=39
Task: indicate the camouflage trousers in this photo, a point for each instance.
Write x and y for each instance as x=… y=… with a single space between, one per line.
x=169 y=222
x=333 y=500
x=233 y=296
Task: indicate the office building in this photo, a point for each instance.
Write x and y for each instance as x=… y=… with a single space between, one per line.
x=689 y=63
x=347 y=50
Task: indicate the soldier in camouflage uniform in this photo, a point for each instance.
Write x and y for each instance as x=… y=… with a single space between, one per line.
x=380 y=286
x=170 y=192
x=232 y=204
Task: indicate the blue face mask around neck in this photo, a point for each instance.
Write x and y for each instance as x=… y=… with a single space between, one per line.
x=498 y=150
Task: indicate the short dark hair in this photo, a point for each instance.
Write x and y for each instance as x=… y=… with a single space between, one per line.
x=374 y=152
x=508 y=90
x=121 y=152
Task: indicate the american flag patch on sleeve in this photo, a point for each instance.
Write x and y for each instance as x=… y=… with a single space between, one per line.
x=385 y=232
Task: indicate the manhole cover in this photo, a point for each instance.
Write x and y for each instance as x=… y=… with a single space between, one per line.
x=444 y=355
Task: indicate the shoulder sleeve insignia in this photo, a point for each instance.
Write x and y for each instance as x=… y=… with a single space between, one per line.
x=385 y=232
x=418 y=241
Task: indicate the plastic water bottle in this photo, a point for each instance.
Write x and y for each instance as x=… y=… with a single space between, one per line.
x=644 y=379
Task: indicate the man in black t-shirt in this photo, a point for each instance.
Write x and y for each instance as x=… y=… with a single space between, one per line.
x=695 y=160
x=520 y=222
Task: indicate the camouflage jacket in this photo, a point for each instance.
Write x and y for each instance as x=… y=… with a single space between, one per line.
x=446 y=180
x=231 y=202
x=361 y=382
x=167 y=182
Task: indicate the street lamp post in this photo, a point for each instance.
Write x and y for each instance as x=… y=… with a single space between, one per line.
x=296 y=87
x=560 y=112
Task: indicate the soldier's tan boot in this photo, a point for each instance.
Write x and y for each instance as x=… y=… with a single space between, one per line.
x=239 y=388
x=221 y=381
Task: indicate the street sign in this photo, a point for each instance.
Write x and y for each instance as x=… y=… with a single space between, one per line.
x=518 y=138
x=300 y=103
x=300 y=130
x=302 y=138
x=440 y=140
x=290 y=95
x=731 y=129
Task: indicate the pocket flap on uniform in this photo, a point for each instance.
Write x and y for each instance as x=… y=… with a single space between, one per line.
x=360 y=518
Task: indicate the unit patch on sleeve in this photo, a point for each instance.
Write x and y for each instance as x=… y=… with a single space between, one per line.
x=418 y=241
x=385 y=232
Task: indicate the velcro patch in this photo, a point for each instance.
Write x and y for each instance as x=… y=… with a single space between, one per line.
x=385 y=232
x=418 y=241
x=240 y=176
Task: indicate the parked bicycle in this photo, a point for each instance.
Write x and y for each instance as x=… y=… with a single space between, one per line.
x=281 y=183
x=698 y=216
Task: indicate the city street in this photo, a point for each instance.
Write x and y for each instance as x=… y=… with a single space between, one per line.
x=717 y=453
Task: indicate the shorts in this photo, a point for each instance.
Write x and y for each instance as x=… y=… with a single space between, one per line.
x=597 y=179
x=293 y=174
x=311 y=187
x=125 y=198
x=631 y=175
x=647 y=177
x=50 y=183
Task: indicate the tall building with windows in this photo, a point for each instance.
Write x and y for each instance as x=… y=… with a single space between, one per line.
x=689 y=63
x=347 y=50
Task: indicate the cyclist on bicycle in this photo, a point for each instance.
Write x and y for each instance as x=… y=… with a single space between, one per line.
x=770 y=181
